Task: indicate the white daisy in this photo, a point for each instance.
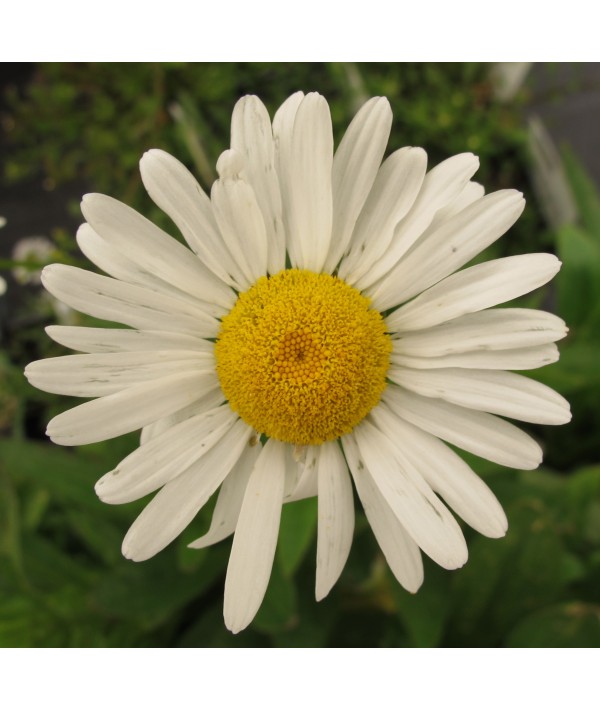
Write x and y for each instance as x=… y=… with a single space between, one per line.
x=314 y=332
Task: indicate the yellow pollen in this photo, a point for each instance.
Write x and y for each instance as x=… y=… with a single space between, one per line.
x=302 y=357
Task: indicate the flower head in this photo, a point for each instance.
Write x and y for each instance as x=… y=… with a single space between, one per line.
x=314 y=331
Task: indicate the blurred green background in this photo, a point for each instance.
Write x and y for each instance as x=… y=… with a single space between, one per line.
x=74 y=128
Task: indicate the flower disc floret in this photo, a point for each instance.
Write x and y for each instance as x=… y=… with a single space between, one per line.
x=302 y=357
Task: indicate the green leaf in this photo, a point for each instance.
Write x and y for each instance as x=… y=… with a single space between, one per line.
x=572 y=624
x=297 y=530
x=10 y=523
x=585 y=193
x=22 y=623
x=576 y=371
x=583 y=503
x=508 y=578
x=314 y=622
x=153 y=591
x=578 y=281
x=278 y=610
x=209 y=630
x=424 y=614
x=66 y=474
x=101 y=536
x=49 y=567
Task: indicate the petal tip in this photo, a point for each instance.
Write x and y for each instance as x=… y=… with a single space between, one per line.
x=322 y=590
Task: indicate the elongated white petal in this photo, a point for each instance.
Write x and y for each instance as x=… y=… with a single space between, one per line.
x=153 y=250
x=493 y=391
x=112 y=262
x=491 y=329
x=446 y=473
x=229 y=501
x=441 y=186
x=105 y=373
x=474 y=289
x=175 y=190
x=401 y=552
x=283 y=128
x=486 y=435
x=242 y=226
x=255 y=538
x=252 y=136
x=105 y=340
x=309 y=184
x=336 y=517
x=115 y=264
x=511 y=359
x=128 y=410
x=455 y=242
x=162 y=458
x=176 y=504
x=468 y=195
x=355 y=166
x=129 y=304
x=426 y=519
x=210 y=398
x=395 y=189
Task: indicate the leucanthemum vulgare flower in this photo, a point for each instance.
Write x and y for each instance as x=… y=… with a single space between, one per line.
x=314 y=331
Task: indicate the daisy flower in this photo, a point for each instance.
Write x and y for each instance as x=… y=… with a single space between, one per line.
x=314 y=332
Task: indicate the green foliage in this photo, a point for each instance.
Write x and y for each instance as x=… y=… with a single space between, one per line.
x=63 y=581
x=91 y=122
x=297 y=530
x=577 y=375
x=572 y=624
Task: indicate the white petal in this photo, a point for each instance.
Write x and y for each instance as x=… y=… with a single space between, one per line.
x=447 y=474
x=255 y=538
x=115 y=264
x=106 y=373
x=109 y=259
x=441 y=186
x=294 y=470
x=336 y=517
x=511 y=359
x=128 y=410
x=283 y=128
x=104 y=340
x=468 y=195
x=449 y=247
x=211 y=398
x=425 y=518
x=301 y=480
x=355 y=166
x=252 y=136
x=232 y=164
x=495 y=391
x=242 y=226
x=153 y=250
x=176 y=504
x=309 y=184
x=229 y=501
x=484 y=435
x=491 y=329
x=129 y=304
x=401 y=552
x=175 y=190
x=474 y=289
x=162 y=458
x=395 y=189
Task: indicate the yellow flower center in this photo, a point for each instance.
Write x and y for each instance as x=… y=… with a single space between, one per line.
x=301 y=357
